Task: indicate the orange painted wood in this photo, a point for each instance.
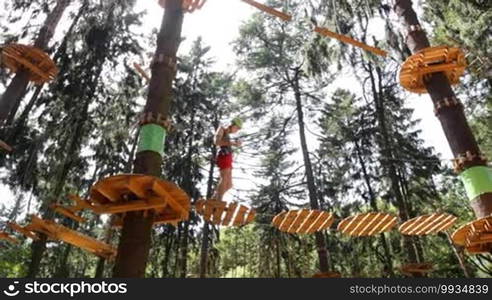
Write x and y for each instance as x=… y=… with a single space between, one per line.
x=6 y=237
x=428 y=224
x=475 y=236
x=269 y=10
x=349 y=40
x=67 y=212
x=222 y=213
x=450 y=61
x=58 y=232
x=23 y=230
x=367 y=224
x=230 y=210
x=40 y=66
x=240 y=216
x=303 y=221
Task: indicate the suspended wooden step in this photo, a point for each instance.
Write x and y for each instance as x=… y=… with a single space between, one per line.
x=367 y=224
x=327 y=275
x=269 y=10
x=41 y=67
x=414 y=269
x=348 y=40
x=141 y=71
x=6 y=237
x=303 y=221
x=68 y=212
x=450 y=61
x=188 y=6
x=475 y=236
x=5 y=147
x=428 y=224
x=26 y=231
x=133 y=192
x=225 y=214
x=58 y=232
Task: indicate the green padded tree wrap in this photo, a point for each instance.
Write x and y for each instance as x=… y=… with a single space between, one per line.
x=477 y=181
x=152 y=138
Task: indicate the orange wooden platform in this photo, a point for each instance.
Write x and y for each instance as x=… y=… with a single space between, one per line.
x=367 y=224
x=416 y=269
x=6 y=237
x=475 y=236
x=303 y=221
x=58 y=232
x=269 y=10
x=41 y=67
x=431 y=60
x=327 y=275
x=133 y=192
x=428 y=224
x=225 y=214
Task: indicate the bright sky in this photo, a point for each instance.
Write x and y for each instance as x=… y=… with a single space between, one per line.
x=218 y=23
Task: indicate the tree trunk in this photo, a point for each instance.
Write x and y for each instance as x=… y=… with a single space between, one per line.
x=313 y=195
x=134 y=246
x=17 y=87
x=385 y=144
x=206 y=228
x=372 y=201
x=453 y=120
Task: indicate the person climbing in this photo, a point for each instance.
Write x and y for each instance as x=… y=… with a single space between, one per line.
x=224 y=157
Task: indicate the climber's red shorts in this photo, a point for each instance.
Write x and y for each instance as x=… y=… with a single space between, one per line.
x=224 y=161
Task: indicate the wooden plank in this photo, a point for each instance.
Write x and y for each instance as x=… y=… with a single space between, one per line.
x=349 y=40
x=137 y=205
x=289 y=218
x=199 y=206
x=231 y=209
x=317 y=223
x=74 y=238
x=240 y=215
x=217 y=214
x=140 y=185
x=22 y=230
x=251 y=216
x=327 y=223
x=67 y=213
x=310 y=219
x=163 y=188
x=269 y=10
x=278 y=219
x=297 y=222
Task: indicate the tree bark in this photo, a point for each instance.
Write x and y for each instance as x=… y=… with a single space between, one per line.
x=134 y=246
x=313 y=195
x=452 y=119
x=18 y=86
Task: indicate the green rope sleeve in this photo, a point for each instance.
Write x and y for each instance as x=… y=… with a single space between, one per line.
x=152 y=138
x=477 y=181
